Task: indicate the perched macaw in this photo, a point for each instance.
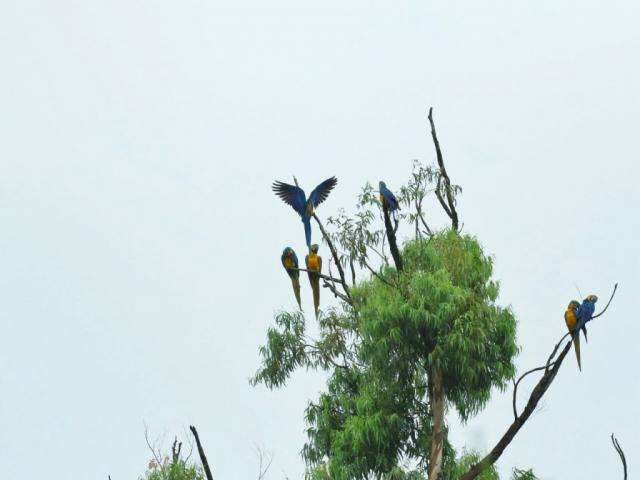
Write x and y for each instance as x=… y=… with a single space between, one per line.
x=295 y=196
x=571 y=319
x=585 y=312
x=290 y=263
x=388 y=199
x=314 y=263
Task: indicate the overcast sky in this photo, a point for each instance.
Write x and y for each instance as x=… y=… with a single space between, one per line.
x=140 y=244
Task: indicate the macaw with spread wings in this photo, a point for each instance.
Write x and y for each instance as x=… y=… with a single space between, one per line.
x=294 y=196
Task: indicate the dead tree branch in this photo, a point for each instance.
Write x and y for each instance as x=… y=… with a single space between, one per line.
x=203 y=457
x=391 y=235
x=449 y=206
x=176 y=447
x=537 y=393
x=156 y=454
x=618 y=448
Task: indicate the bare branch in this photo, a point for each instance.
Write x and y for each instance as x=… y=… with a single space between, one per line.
x=334 y=253
x=203 y=457
x=517 y=382
x=263 y=469
x=450 y=208
x=321 y=275
x=377 y=275
x=176 y=447
x=623 y=459
x=336 y=293
x=615 y=287
x=353 y=272
x=537 y=393
x=156 y=455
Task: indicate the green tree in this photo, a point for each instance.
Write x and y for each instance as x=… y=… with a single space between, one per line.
x=409 y=340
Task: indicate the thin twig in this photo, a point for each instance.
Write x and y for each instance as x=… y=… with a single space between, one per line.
x=336 y=293
x=377 y=275
x=321 y=275
x=615 y=287
x=157 y=455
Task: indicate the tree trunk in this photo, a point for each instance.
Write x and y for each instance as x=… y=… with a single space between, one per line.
x=436 y=398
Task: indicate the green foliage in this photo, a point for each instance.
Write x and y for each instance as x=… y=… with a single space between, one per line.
x=523 y=474
x=443 y=315
x=179 y=470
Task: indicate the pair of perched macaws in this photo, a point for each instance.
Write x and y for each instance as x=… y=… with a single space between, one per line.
x=313 y=261
x=576 y=317
x=294 y=196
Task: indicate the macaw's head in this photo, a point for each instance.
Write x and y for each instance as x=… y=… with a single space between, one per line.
x=381 y=185
x=573 y=304
x=288 y=252
x=314 y=248
x=592 y=298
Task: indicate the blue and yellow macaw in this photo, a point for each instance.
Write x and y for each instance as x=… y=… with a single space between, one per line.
x=295 y=196
x=585 y=312
x=571 y=319
x=388 y=199
x=313 y=261
x=290 y=263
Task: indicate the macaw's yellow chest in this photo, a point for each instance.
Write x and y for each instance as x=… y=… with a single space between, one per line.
x=570 y=319
x=289 y=263
x=313 y=262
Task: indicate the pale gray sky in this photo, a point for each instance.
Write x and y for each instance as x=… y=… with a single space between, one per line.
x=140 y=240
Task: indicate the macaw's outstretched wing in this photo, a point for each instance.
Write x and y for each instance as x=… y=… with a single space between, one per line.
x=291 y=195
x=321 y=192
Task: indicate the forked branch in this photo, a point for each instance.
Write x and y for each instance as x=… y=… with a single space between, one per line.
x=618 y=448
x=450 y=205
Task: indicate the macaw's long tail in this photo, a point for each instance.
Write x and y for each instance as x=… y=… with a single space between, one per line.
x=314 y=280
x=295 y=282
x=307 y=230
x=576 y=346
x=584 y=330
